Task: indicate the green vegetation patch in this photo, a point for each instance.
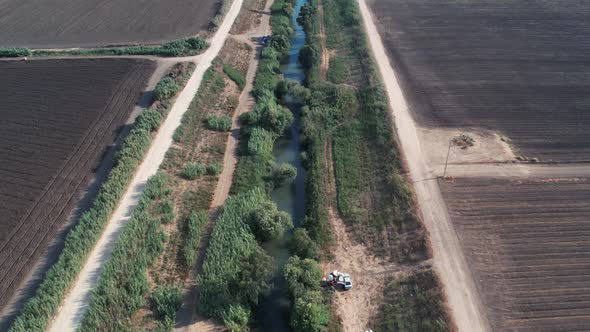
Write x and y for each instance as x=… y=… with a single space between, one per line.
x=179 y=47
x=123 y=285
x=236 y=269
x=235 y=75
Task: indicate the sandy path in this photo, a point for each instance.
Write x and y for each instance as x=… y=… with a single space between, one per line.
x=75 y=303
x=450 y=263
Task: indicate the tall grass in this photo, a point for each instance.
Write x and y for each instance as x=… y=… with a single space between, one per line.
x=123 y=285
x=234 y=75
x=231 y=242
x=179 y=47
x=194 y=232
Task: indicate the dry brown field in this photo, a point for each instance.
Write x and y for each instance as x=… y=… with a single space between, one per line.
x=521 y=68
x=527 y=243
x=86 y=23
x=57 y=119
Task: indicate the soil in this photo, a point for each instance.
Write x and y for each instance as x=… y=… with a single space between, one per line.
x=527 y=244
x=67 y=23
x=73 y=306
x=519 y=67
x=250 y=17
x=58 y=122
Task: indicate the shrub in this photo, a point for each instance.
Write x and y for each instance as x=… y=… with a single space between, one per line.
x=14 y=52
x=214 y=169
x=186 y=46
x=194 y=231
x=166 y=88
x=231 y=242
x=309 y=314
x=268 y=223
x=302 y=275
x=255 y=271
x=166 y=211
x=148 y=120
x=235 y=75
x=193 y=170
x=166 y=301
x=302 y=245
x=282 y=173
x=268 y=114
x=261 y=142
x=219 y=123
x=236 y=318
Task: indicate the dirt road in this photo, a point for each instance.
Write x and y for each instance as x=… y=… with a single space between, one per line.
x=75 y=303
x=449 y=261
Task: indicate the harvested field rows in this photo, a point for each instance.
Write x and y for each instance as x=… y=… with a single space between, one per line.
x=74 y=23
x=58 y=117
x=528 y=245
x=519 y=67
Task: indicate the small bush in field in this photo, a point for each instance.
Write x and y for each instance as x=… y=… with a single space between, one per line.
x=235 y=75
x=166 y=211
x=166 y=301
x=193 y=170
x=149 y=120
x=219 y=123
x=214 y=169
x=194 y=231
x=166 y=88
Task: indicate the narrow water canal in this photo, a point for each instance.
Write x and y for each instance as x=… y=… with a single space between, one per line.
x=274 y=309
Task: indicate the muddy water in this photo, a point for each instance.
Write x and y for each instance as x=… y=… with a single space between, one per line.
x=274 y=309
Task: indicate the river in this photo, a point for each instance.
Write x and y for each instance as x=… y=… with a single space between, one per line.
x=275 y=308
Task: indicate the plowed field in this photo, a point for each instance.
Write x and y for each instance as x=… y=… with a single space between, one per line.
x=84 y=23
x=520 y=67
x=528 y=245
x=56 y=120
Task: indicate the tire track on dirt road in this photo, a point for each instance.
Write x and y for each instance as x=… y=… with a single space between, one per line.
x=464 y=301
x=74 y=305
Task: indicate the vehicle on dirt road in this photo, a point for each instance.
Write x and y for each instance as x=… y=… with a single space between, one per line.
x=339 y=280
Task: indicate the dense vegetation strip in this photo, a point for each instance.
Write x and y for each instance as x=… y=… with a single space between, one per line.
x=269 y=119
x=179 y=47
x=165 y=230
x=350 y=111
x=41 y=308
x=237 y=270
x=123 y=283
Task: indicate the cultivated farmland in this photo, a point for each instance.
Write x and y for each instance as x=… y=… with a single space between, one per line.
x=58 y=117
x=528 y=246
x=73 y=23
x=518 y=67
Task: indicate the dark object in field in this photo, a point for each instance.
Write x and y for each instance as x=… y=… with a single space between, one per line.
x=58 y=117
x=520 y=67
x=91 y=23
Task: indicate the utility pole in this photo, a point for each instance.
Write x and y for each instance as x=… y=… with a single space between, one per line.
x=447 y=160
